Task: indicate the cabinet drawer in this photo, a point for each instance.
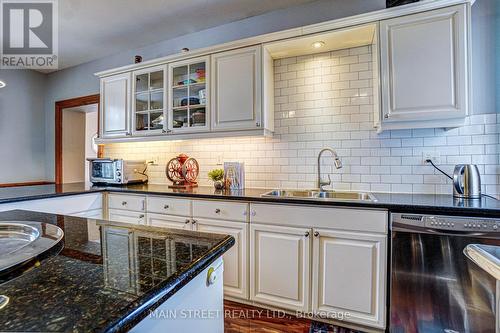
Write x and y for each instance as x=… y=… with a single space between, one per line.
x=316 y=217
x=127 y=202
x=167 y=221
x=234 y=211
x=126 y=216
x=170 y=206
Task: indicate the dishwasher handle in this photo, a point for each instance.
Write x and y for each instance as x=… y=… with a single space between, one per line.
x=399 y=227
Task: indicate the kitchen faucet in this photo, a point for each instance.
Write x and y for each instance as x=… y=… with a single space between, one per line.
x=337 y=162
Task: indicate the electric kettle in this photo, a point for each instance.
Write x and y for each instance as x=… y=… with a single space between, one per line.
x=466 y=181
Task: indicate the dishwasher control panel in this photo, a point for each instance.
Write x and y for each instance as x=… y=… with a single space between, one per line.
x=442 y=222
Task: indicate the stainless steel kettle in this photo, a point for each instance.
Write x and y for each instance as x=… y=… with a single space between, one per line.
x=466 y=181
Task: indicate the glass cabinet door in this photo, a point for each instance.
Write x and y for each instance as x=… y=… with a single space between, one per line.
x=148 y=105
x=189 y=95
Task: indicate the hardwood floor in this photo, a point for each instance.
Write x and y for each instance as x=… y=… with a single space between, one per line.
x=242 y=318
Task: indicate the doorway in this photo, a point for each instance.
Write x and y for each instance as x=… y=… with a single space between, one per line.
x=76 y=127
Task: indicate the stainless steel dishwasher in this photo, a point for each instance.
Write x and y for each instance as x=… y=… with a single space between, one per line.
x=434 y=287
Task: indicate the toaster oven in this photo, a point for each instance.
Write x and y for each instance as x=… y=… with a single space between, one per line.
x=117 y=171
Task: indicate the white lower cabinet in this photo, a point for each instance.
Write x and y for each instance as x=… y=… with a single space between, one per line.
x=280 y=266
x=126 y=216
x=349 y=272
x=169 y=221
x=236 y=259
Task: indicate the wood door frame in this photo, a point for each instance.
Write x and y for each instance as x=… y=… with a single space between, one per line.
x=59 y=106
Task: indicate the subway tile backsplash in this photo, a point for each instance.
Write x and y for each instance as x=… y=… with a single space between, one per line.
x=326 y=100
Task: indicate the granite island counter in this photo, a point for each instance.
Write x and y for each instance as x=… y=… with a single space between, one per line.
x=112 y=277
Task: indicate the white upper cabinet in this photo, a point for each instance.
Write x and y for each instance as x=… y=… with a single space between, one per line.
x=115 y=106
x=149 y=95
x=424 y=62
x=188 y=95
x=237 y=89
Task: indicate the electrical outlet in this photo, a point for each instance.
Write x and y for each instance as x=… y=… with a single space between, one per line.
x=220 y=160
x=432 y=155
x=155 y=160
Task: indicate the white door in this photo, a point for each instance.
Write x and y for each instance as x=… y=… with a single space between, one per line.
x=169 y=221
x=424 y=66
x=236 y=259
x=279 y=266
x=349 y=275
x=237 y=89
x=126 y=216
x=115 y=105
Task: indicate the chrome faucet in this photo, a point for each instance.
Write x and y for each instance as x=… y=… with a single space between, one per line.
x=337 y=162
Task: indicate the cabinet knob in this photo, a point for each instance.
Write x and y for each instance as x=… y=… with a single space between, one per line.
x=253 y=213
x=306 y=234
x=164 y=131
x=128 y=134
x=386 y=116
x=316 y=234
x=193 y=222
x=187 y=221
x=166 y=206
x=124 y=203
x=217 y=211
x=257 y=124
x=141 y=216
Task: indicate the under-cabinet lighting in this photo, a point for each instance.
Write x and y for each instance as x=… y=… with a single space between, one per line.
x=318 y=44
x=2 y=84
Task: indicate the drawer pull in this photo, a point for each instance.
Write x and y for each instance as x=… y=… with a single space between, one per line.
x=316 y=234
x=187 y=221
x=124 y=203
x=166 y=206
x=217 y=211
x=306 y=234
x=193 y=222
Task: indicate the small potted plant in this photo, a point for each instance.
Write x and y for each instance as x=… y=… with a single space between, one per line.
x=217 y=176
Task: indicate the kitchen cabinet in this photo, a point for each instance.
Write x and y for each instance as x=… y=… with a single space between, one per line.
x=188 y=95
x=125 y=216
x=115 y=106
x=424 y=62
x=135 y=203
x=118 y=259
x=74 y=205
x=280 y=266
x=236 y=258
x=237 y=89
x=169 y=221
x=169 y=206
x=149 y=95
x=349 y=274
x=220 y=210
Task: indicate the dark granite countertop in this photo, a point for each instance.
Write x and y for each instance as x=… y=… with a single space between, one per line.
x=397 y=202
x=83 y=285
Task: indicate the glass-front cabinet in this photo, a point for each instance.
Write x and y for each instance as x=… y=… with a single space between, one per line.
x=188 y=95
x=148 y=106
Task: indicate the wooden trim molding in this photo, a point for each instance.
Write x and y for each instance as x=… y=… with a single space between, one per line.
x=26 y=184
x=60 y=105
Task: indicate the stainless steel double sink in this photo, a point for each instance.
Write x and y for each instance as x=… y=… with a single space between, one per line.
x=321 y=195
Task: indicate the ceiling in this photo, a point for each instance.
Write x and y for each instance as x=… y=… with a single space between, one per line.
x=91 y=29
